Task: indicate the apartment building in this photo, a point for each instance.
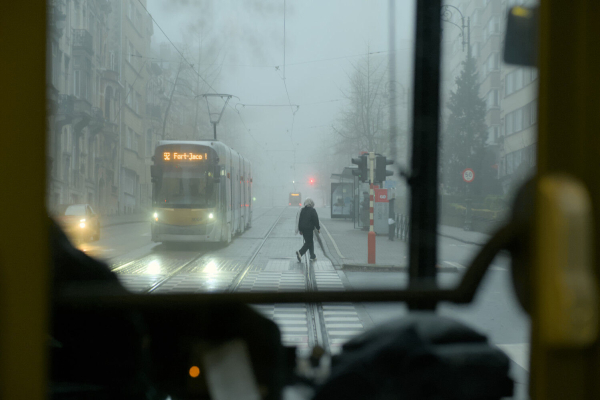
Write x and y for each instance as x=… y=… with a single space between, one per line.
x=81 y=133
x=510 y=92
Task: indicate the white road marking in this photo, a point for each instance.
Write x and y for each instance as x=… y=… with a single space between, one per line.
x=333 y=241
x=518 y=352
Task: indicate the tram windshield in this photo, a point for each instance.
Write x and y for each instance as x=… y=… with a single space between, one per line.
x=186 y=187
x=310 y=100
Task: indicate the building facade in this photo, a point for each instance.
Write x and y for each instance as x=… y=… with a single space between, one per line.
x=101 y=132
x=510 y=92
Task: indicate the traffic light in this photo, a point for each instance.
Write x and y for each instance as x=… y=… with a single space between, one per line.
x=381 y=173
x=311 y=181
x=362 y=170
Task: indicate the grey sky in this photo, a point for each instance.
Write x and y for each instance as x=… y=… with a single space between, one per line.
x=323 y=38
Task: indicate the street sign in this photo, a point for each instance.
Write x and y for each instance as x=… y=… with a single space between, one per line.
x=468 y=175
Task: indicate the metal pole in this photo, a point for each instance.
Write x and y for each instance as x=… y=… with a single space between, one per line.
x=371 y=236
x=424 y=182
x=392 y=81
x=215 y=129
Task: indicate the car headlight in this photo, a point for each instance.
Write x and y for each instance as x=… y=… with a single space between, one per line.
x=211 y=216
x=82 y=224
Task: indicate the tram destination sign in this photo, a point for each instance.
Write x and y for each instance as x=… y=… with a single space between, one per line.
x=185 y=156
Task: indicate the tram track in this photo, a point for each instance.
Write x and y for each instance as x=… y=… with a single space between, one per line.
x=317 y=332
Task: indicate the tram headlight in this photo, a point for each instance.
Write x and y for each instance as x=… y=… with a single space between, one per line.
x=210 y=216
x=155 y=216
x=82 y=220
x=82 y=224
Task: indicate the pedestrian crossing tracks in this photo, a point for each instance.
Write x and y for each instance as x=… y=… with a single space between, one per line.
x=341 y=321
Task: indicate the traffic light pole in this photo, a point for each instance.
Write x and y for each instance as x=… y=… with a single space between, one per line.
x=371 y=236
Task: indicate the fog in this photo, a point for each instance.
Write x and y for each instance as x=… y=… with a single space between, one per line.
x=323 y=43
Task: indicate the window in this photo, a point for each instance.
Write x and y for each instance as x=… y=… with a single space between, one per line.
x=509 y=163
x=492 y=99
x=518 y=120
x=149 y=148
x=77 y=83
x=129 y=137
x=491 y=28
x=516 y=80
x=491 y=64
x=509 y=126
x=475 y=49
x=138 y=143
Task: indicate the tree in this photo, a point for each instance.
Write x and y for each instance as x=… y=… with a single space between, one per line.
x=363 y=124
x=465 y=136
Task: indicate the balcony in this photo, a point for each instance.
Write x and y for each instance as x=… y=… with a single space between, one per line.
x=66 y=105
x=82 y=40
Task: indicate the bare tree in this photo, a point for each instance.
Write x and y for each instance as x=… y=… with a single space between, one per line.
x=363 y=124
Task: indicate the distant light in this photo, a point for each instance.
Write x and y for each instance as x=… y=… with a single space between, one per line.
x=520 y=12
x=254 y=199
x=82 y=225
x=155 y=215
x=211 y=216
x=82 y=220
x=194 y=372
x=290 y=204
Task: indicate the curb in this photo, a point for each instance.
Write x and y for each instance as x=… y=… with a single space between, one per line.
x=325 y=249
x=388 y=268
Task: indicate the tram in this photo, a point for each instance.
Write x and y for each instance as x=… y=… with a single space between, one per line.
x=295 y=198
x=202 y=192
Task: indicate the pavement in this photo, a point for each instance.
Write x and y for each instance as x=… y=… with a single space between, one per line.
x=348 y=246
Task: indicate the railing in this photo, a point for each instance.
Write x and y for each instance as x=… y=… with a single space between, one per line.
x=66 y=104
x=83 y=39
x=82 y=106
x=402 y=226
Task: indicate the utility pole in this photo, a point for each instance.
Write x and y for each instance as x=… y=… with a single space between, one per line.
x=371 y=235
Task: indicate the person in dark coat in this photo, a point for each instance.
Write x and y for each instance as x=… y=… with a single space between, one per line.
x=307 y=223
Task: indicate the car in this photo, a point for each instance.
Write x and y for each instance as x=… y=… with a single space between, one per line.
x=79 y=221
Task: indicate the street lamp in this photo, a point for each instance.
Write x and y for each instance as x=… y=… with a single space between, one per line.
x=447 y=14
x=213 y=114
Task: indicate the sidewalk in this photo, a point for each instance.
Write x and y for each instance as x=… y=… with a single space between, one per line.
x=347 y=247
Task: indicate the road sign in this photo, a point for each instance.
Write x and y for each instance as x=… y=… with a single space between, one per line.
x=468 y=175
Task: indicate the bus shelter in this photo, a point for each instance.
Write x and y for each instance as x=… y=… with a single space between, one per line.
x=343 y=195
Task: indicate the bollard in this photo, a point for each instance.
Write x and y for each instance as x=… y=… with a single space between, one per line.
x=371 y=247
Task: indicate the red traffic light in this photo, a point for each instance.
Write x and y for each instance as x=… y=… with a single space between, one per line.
x=311 y=181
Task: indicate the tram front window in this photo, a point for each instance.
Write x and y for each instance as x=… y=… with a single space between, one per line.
x=198 y=119
x=186 y=188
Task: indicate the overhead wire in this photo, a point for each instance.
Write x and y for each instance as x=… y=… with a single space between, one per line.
x=192 y=67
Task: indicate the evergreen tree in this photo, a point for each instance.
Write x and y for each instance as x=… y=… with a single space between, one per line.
x=466 y=133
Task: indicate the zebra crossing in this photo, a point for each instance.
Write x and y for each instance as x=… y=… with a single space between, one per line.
x=340 y=322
